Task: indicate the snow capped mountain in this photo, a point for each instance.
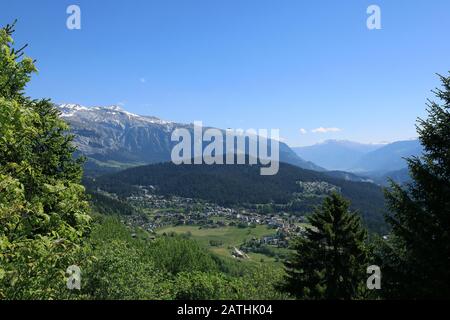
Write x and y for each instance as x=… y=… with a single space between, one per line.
x=113 y=138
x=68 y=110
x=107 y=114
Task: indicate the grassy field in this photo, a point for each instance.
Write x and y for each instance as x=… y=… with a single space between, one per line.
x=229 y=237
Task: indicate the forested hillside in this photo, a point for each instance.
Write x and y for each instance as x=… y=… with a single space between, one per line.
x=293 y=189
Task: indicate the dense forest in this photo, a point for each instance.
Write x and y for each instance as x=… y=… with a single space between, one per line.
x=243 y=185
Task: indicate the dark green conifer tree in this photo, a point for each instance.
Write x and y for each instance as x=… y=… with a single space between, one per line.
x=416 y=259
x=330 y=260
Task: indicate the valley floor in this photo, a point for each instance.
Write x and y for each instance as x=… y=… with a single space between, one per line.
x=223 y=240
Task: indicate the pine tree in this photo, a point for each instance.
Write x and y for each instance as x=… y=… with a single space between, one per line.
x=330 y=260
x=43 y=210
x=416 y=259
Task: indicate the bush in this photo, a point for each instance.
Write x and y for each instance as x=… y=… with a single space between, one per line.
x=121 y=268
x=207 y=286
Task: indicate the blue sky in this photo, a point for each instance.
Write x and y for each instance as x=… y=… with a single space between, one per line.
x=244 y=63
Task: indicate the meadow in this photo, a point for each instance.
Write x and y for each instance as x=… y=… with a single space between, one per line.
x=224 y=238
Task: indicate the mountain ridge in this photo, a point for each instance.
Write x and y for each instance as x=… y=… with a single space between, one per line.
x=335 y=154
x=388 y=158
x=113 y=139
x=376 y=161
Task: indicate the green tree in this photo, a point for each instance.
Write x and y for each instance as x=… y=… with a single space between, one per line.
x=416 y=259
x=121 y=267
x=208 y=286
x=330 y=260
x=176 y=254
x=43 y=212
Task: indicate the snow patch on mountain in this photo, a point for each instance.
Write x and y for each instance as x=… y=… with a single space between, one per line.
x=112 y=114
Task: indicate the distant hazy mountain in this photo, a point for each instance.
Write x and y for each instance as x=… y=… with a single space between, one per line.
x=348 y=176
x=336 y=154
x=114 y=139
x=400 y=176
x=376 y=162
x=388 y=158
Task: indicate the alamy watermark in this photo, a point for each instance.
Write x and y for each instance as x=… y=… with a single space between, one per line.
x=74 y=279
x=374 y=280
x=227 y=147
x=374 y=20
x=73 y=22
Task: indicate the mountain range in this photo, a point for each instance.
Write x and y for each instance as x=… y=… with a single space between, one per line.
x=113 y=139
x=388 y=158
x=377 y=161
x=335 y=154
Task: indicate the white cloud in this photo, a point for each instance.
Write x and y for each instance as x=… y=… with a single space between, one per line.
x=303 y=131
x=325 y=130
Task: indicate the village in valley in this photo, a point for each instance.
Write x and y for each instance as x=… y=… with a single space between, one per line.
x=160 y=215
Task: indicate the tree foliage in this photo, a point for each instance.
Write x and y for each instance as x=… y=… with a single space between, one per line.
x=121 y=267
x=330 y=260
x=169 y=267
x=416 y=259
x=43 y=212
